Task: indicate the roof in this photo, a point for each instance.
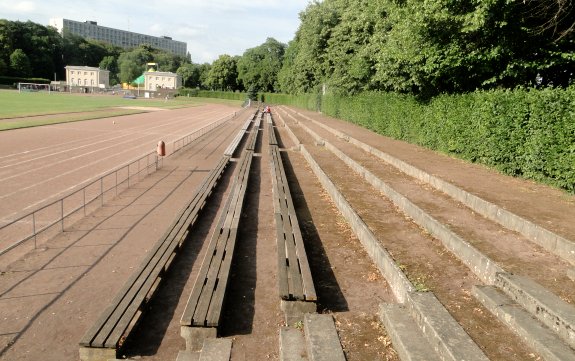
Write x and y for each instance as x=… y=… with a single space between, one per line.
x=82 y=67
x=160 y=73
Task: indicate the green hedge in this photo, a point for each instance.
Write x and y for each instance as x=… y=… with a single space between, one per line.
x=213 y=94
x=306 y=101
x=523 y=132
x=12 y=81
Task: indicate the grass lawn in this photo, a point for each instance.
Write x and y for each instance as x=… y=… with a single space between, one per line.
x=66 y=107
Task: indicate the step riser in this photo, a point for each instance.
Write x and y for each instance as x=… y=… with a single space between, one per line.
x=549 y=309
x=540 y=338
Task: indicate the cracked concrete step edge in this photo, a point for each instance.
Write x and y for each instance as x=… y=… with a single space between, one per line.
x=442 y=331
x=544 y=305
x=406 y=336
x=543 y=340
x=292 y=344
x=547 y=239
x=214 y=349
x=321 y=338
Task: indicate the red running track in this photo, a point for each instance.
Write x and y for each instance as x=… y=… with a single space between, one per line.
x=42 y=162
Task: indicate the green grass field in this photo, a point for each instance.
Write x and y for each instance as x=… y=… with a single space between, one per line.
x=65 y=107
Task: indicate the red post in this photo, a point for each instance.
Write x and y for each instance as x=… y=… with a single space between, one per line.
x=161 y=148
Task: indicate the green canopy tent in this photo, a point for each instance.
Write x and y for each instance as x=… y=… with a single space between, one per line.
x=139 y=81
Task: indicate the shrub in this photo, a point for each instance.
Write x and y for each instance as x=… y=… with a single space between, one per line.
x=521 y=132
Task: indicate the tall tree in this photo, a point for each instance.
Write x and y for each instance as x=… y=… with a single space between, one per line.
x=306 y=68
x=110 y=63
x=223 y=74
x=42 y=45
x=20 y=64
x=258 y=67
x=132 y=64
x=190 y=74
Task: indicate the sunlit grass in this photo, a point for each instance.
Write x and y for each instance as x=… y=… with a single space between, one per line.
x=65 y=107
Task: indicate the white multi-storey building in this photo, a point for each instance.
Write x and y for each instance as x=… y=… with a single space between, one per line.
x=122 y=38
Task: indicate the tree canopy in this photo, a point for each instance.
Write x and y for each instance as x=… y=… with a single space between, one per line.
x=429 y=47
x=418 y=47
x=258 y=67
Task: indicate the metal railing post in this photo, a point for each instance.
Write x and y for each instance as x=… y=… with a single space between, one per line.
x=62 y=213
x=34 y=228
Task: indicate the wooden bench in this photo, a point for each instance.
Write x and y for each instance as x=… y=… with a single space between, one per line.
x=231 y=149
x=201 y=317
x=296 y=288
x=106 y=337
x=273 y=140
x=252 y=139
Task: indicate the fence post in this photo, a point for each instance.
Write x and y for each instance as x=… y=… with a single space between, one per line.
x=62 y=213
x=34 y=228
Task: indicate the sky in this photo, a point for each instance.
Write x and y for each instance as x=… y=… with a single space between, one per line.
x=210 y=27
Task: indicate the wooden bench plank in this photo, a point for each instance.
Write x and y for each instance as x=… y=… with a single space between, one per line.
x=114 y=321
x=211 y=279
x=307 y=281
x=294 y=277
x=215 y=308
x=203 y=308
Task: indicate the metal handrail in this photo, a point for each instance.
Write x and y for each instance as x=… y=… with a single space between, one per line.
x=98 y=184
x=187 y=139
x=32 y=217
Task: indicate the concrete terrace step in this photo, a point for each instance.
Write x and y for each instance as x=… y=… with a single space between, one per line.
x=542 y=339
x=214 y=349
x=322 y=341
x=548 y=308
x=447 y=337
x=407 y=338
x=292 y=345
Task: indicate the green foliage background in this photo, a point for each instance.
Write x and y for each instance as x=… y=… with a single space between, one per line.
x=522 y=132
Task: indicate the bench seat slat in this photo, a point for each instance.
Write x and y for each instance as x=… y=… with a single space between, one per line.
x=203 y=308
x=112 y=323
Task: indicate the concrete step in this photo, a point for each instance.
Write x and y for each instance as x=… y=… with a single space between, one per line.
x=292 y=344
x=216 y=349
x=188 y=356
x=548 y=308
x=448 y=338
x=406 y=336
x=542 y=339
x=322 y=341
